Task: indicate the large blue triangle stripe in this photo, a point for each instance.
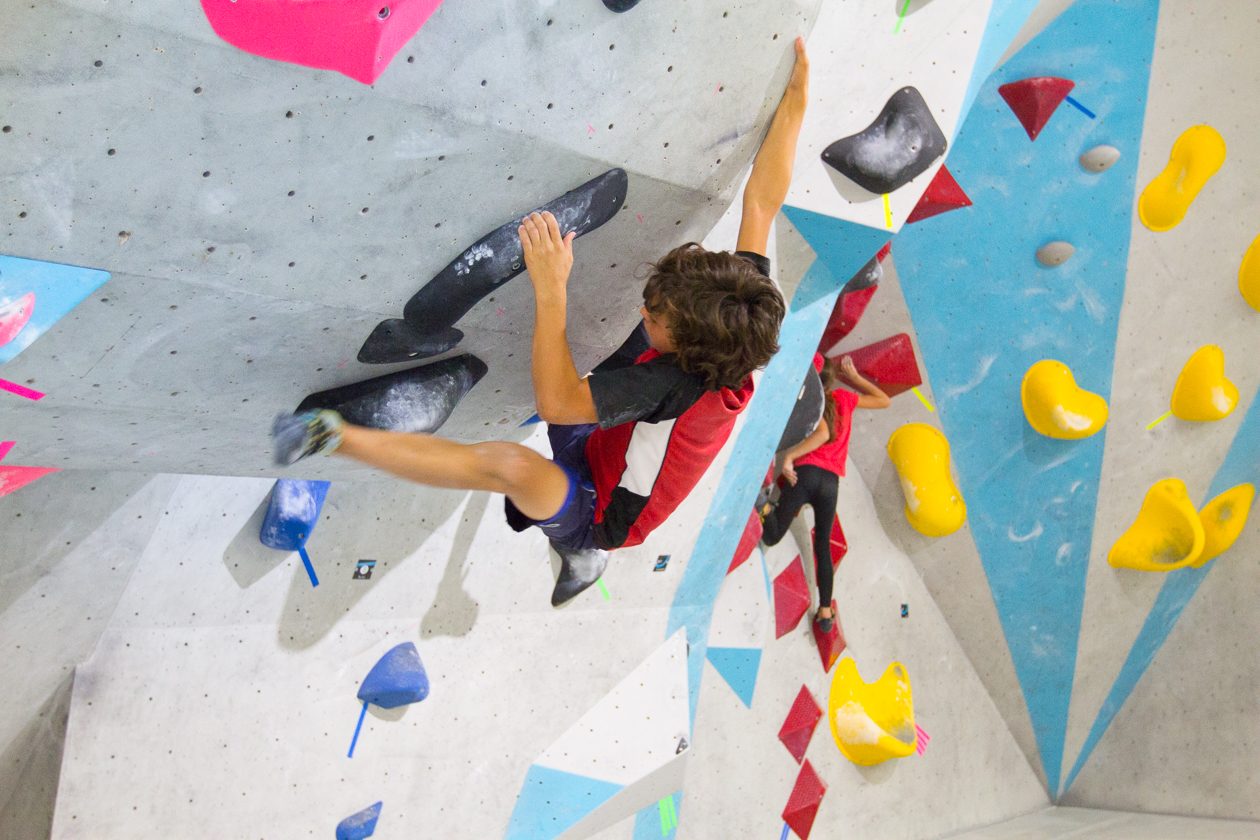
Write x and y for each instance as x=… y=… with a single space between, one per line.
x=551 y=801
x=738 y=666
x=984 y=312
x=1241 y=465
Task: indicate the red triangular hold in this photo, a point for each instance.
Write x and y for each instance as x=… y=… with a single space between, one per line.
x=890 y=364
x=1034 y=100
x=13 y=478
x=941 y=196
x=791 y=598
x=747 y=542
x=830 y=645
x=802 y=805
x=799 y=726
x=839 y=543
x=853 y=299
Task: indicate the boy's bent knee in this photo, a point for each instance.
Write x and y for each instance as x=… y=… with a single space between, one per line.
x=510 y=467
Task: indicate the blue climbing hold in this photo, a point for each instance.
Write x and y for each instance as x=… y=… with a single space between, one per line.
x=360 y=825
x=292 y=513
x=397 y=679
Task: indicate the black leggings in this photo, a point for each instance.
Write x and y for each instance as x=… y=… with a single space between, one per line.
x=817 y=488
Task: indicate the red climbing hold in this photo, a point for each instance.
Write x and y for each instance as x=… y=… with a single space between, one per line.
x=799 y=727
x=791 y=598
x=1034 y=100
x=802 y=805
x=853 y=299
x=890 y=364
x=747 y=542
x=830 y=645
x=839 y=543
x=941 y=196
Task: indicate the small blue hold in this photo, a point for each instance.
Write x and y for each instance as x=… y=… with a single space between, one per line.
x=397 y=679
x=360 y=825
x=292 y=513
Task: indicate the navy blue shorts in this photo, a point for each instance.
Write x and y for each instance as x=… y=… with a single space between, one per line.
x=573 y=526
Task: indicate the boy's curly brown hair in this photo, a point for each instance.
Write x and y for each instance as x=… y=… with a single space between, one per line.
x=723 y=314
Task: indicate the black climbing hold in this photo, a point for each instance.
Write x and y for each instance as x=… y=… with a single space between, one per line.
x=900 y=144
x=805 y=414
x=621 y=5
x=427 y=327
x=419 y=399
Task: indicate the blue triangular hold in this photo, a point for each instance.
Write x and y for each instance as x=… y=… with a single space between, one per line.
x=361 y=825
x=551 y=801
x=1033 y=500
x=34 y=295
x=397 y=679
x=738 y=666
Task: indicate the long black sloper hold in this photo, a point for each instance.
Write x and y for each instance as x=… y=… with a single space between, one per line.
x=419 y=399
x=810 y=402
x=427 y=327
x=621 y=5
x=900 y=144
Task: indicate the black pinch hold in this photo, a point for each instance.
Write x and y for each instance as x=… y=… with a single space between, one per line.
x=427 y=327
x=810 y=401
x=621 y=5
x=419 y=399
x=900 y=144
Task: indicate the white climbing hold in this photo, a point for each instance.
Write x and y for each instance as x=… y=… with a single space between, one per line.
x=1054 y=254
x=1099 y=158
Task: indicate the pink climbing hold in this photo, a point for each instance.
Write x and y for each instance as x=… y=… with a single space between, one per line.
x=1034 y=100
x=791 y=598
x=802 y=805
x=838 y=542
x=830 y=645
x=358 y=38
x=14 y=315
x=747 y=542
x=890 y=364
x=799 y=726
x=14 y=478
x=941 y=196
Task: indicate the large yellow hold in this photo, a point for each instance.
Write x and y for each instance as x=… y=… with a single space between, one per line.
x=934 y=505
x=1196 y=156
x=1056 y=406
x=1223 y=521
x=871 y=722
x=1167 y=534
x=1249 y=275
x=1202 y=392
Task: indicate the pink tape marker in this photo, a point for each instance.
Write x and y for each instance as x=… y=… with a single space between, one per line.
x=20 y=390
x=921 y=739
x=5 y=446
x=355 y=37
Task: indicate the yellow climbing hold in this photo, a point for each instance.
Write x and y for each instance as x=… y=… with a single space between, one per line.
x=1195 y=157
x=1202 y=392
x=1167 y=534
x=1249 y=275
x=1056 y=406
x=1223 y=520
x=934 y=506
x=871 y=722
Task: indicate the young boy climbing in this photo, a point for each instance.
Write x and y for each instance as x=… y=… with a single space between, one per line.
x=813 y=469
x=631 y=440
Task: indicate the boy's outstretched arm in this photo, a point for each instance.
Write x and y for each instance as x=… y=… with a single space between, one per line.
x=559 y=393
x=772 y=169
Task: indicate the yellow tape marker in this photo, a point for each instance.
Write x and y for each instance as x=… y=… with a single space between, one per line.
x=1160 y=419
x=923 y=400
x=887 y=212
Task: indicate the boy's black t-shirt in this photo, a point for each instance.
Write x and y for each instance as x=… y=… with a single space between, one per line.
x=654 y=391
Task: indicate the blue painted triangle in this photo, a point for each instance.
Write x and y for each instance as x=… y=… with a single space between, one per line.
x=1006 y=17
x=54 y=289
x=1241 y=465
x=984 y=312
x=551 y=801
x=650 y=824
x=738 y=666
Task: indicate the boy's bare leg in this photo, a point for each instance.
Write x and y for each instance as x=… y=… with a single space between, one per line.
x=537 y=486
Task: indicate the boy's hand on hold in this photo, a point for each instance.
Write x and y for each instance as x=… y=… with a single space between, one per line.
x=798 y=84
x=548 y=254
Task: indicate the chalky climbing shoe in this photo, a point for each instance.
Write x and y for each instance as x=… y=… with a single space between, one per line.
x=578 y=571
x=296 y=436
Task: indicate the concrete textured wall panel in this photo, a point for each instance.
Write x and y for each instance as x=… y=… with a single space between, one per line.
x=259 y=218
